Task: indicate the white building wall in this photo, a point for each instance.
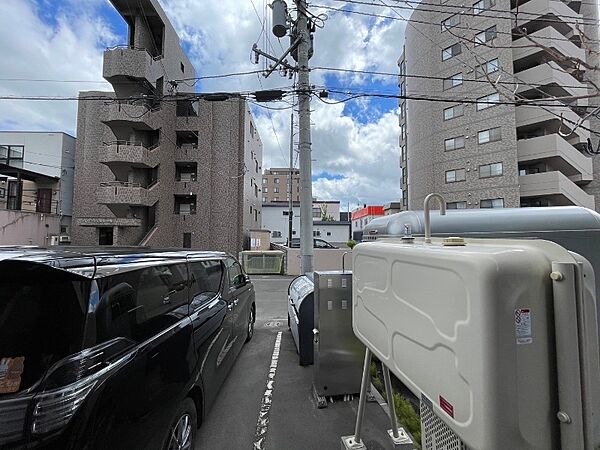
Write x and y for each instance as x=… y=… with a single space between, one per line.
x=50 y=154
x=274 y=220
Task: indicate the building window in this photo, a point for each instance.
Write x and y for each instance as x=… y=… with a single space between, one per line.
x=105 y=236
x=316 y=212
x=2 y=192
x=276 y=180
x=293 y=232
x=185 y=204
x=453 y=176
x=456 y=205
x=491 y=135
x=488 y=101
x=453 y=81
x=316 y=233
x=264 y=181
x=454 y=143
x=329 y=233
x=453 y=112
x=482 y=5
x=275 y=199
x=276 y=190
x=490 y=170
x=492 y=203
x=187 y=240
x=276 y=234
x=485 y=36
x=12 y=155
x=487 y=68
x=265 y=199
x=265 y=190
x=451 y=22
x=286 y=213
x=451 y=52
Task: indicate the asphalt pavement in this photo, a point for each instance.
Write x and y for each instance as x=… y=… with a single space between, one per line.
x=293 y=421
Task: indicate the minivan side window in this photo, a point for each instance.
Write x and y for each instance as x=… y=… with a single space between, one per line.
x=205 y=281
x=236 y=277
x=141 y=303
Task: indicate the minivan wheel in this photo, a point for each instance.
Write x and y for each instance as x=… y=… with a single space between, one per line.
x=182 y=432
x=250 y=327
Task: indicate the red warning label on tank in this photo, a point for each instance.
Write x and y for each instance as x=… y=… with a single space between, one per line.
x=523 y=331
x=447 y=406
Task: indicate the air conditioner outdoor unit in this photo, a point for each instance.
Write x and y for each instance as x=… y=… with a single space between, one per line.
x=64 y=239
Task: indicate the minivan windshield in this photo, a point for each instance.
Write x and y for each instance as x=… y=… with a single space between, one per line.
x=42 y=313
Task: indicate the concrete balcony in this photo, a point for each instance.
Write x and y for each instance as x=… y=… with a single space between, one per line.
x=129 y=153
x=554 y=80
x=550 y=37
x=138 y=115
x=109 y=222
x=559 y=154
x=123 y=63
x=555 y=187
x=539 y=10
x=118 y=193
x=550 y=118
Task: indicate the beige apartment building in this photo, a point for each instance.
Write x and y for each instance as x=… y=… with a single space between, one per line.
x=275 y=185
x=176 y=172
x=489 y=148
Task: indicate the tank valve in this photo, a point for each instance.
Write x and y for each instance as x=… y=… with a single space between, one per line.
x=408 y=237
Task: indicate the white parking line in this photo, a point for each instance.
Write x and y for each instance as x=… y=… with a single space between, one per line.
x=265 y=407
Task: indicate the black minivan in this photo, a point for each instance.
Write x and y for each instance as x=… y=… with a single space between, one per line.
x=119 y=348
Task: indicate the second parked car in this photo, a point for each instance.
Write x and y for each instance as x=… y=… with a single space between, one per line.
x=116 y=349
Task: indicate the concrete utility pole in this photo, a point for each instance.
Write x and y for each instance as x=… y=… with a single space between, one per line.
x=304 y=146
x=290 y=183
x=301 y=49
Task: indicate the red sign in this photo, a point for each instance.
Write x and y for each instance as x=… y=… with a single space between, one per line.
x=447 y=406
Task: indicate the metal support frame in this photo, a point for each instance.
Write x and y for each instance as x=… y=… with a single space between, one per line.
x=355 y=442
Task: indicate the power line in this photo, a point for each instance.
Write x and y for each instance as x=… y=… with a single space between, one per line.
x=423 y=22
x=578 y=20
x=426 y=77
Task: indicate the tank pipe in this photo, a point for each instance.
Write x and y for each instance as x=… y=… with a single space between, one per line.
x=427 y=213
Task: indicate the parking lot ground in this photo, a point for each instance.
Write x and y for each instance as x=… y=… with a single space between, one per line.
x=295 y=422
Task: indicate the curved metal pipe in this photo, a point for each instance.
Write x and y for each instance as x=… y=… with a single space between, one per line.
x=427 y=213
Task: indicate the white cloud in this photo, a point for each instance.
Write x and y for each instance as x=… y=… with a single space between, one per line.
x=219 y=36
x=70 y=49
x=366 y=155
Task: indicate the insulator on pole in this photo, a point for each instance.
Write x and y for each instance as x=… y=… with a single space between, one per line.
x=280 y=15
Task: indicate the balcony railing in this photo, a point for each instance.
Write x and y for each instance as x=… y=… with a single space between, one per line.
x=123 y=193
x=134 y=153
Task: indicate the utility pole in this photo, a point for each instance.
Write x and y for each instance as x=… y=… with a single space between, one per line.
x=301 y=49
x=304 y=146
x=290 y=182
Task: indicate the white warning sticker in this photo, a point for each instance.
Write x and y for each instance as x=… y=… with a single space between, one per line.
x=523 y=326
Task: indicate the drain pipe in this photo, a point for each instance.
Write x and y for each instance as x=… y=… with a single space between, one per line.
x=427 y=212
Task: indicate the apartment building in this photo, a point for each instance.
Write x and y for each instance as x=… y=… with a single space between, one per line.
x=36 y=187
x=489 y=148
x=275 y=185
x=177 y=173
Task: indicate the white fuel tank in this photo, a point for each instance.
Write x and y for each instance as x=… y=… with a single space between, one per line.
x=470 y=330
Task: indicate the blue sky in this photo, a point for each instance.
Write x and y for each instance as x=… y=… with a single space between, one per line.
x=354 y=143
